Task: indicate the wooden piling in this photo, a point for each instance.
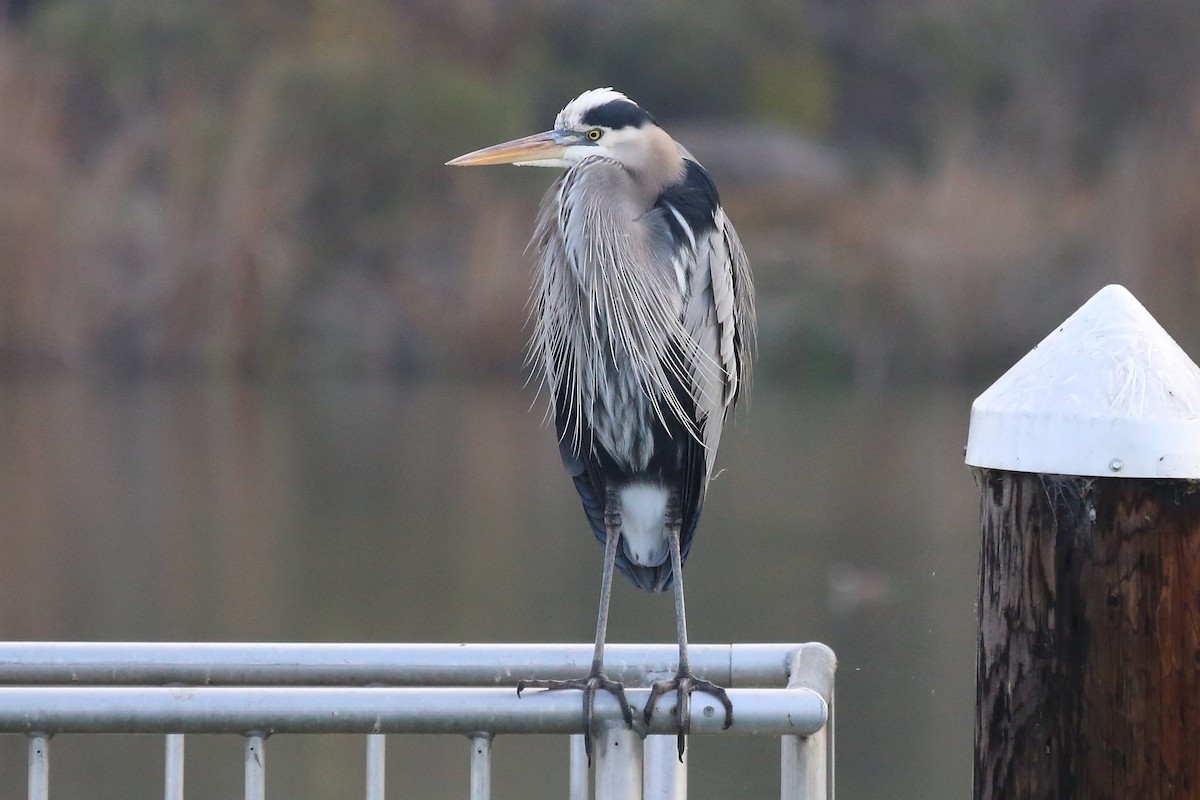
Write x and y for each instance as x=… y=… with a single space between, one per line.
x=1088 y=672
x=1087 y=455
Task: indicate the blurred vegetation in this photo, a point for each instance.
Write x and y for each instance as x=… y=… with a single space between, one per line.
x=257 y=187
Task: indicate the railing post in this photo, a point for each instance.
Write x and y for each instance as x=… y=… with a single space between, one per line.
x=256 y=767
x=806 y=762
x=173 y=767
x=1087 y=454
x=665 y=776
x=579 y=788
x=618 y=751
x=481 y=766
x=376 y=765
x=39 y=767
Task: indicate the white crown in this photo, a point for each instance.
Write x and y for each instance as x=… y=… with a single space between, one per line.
x=571 y=116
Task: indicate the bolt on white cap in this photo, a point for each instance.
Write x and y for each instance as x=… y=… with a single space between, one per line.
x=1107 y=393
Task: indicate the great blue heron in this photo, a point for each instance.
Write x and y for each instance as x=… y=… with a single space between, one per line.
x=644 y=321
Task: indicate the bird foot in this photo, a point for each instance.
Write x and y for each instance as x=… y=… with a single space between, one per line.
x=594 y=681
x=684 y=684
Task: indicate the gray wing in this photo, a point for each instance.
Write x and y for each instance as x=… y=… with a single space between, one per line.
x=718 y=315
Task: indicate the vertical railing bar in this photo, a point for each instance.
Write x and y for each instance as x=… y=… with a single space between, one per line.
x=806 y=762
x=39 y=767
x=174 y=767
x=618 y=763
x=256 y=767
x=791 y=756
x=376 y=762
x=579 y=769
x=831 y=773
x=664 y=775
x=481 y=766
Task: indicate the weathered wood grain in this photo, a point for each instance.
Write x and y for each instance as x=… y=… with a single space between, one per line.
x=1088 y=671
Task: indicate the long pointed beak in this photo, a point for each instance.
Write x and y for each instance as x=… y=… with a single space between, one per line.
x=538 y=147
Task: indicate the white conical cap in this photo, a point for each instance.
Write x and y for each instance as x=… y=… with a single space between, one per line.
x=1109 y=392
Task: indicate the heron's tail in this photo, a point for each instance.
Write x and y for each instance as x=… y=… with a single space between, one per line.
x=649 y=577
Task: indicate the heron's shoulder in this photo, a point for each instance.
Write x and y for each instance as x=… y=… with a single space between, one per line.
x=694 y=198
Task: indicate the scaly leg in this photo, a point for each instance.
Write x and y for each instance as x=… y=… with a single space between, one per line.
x=684 y=682
x=596 y=679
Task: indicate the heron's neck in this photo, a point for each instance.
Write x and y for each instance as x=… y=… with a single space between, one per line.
x=659 y=166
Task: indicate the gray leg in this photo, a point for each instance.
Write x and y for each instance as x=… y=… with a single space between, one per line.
x=596 y=679
x=684 y=683
x=612 y=528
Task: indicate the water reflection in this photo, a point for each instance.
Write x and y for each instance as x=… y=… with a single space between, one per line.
x=438 y=512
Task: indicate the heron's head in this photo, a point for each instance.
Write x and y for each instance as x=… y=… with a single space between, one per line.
x=600 y=122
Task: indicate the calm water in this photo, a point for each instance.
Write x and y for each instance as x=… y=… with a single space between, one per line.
x=439 y=512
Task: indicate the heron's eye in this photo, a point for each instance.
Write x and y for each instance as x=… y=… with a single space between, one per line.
x=594 y=134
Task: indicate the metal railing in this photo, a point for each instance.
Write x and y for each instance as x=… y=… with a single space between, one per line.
x=256 y=690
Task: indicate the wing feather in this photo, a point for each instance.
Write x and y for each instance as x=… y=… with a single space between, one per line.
x=719 y=318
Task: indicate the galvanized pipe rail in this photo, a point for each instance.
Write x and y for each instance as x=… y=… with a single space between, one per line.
x=327 y=664
x=260 y=689
x=335 y=709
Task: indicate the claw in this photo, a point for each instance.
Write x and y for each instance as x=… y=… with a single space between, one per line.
x=684 y=685
x=588 y=685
